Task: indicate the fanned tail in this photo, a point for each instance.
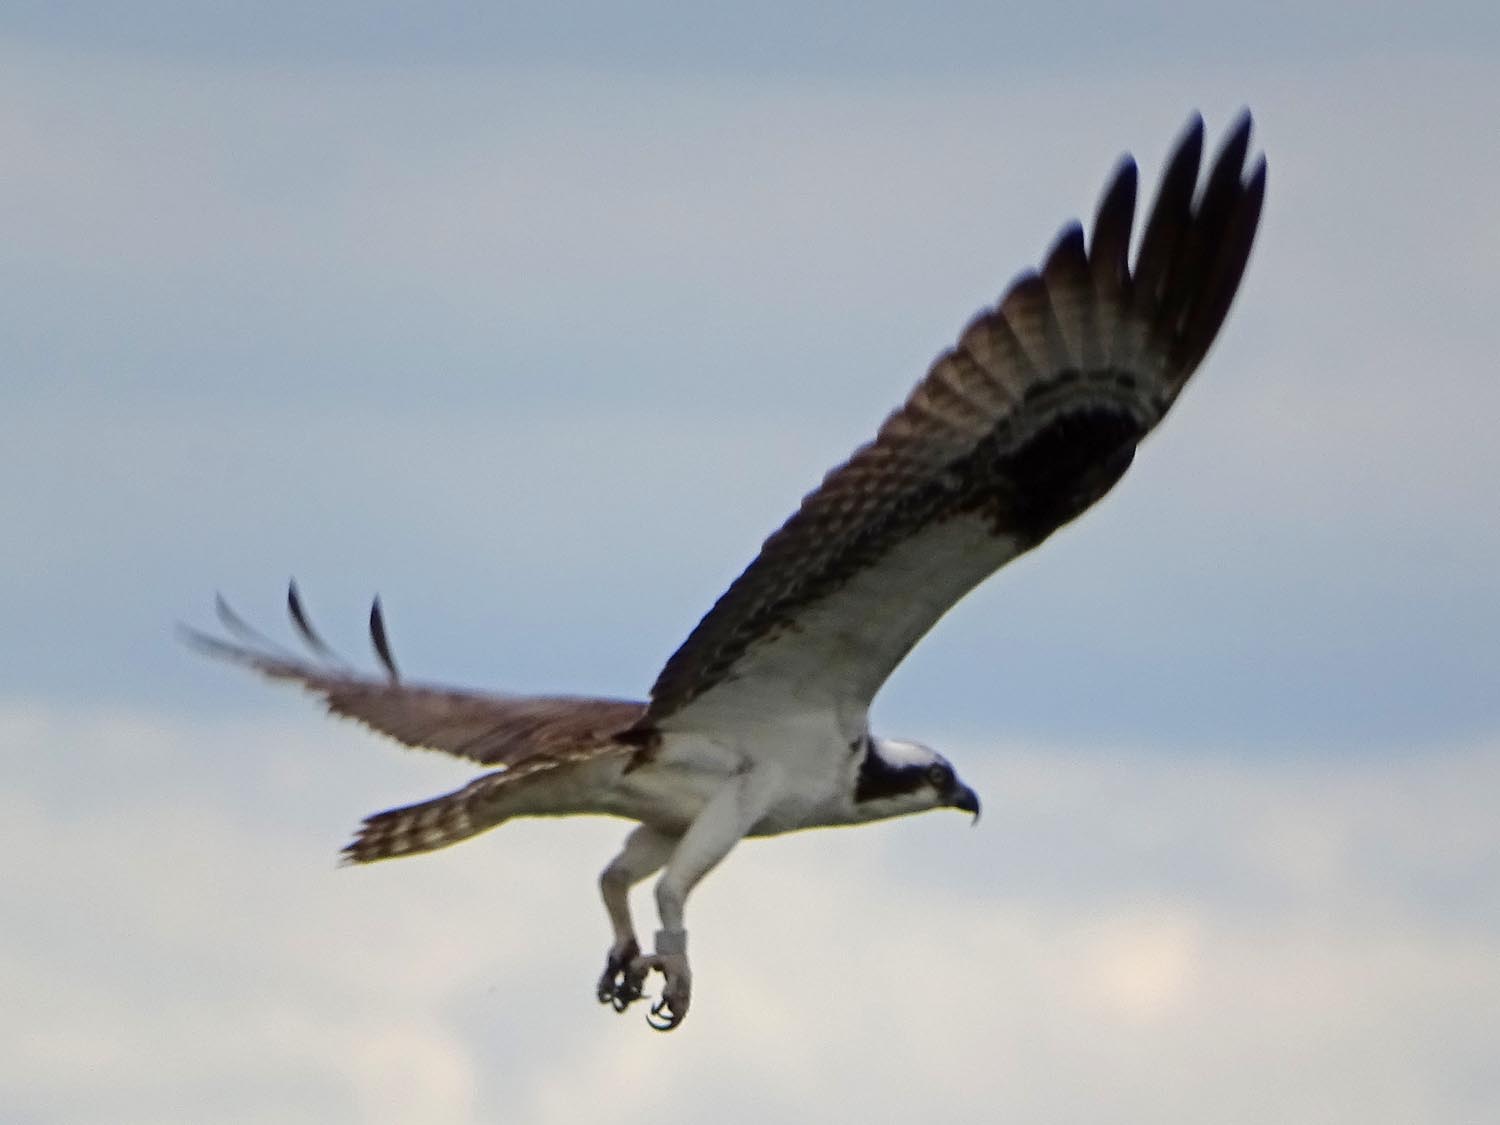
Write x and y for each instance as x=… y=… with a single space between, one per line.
x=429 y=825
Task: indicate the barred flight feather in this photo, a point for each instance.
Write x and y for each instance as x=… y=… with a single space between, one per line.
x=1028 y=420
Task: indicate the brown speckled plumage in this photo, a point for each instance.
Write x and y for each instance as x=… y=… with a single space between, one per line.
x=1029 y=419
x=524 y=735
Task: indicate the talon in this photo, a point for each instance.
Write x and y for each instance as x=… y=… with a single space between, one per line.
x=672 y=1008
x=622 y=981
x=628 y=991
x=663 y=1017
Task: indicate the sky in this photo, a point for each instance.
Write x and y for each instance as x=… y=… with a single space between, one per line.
x=536 y=319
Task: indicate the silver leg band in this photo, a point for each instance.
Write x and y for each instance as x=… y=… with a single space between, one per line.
x=671 y=941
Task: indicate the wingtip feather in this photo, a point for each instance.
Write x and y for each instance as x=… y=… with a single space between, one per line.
x=228 y=618
x=298 y=613
x=197 y=639
x=381 y=641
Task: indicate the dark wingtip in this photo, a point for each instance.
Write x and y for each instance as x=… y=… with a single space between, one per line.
x=303 y=623
x=229 y=619
x=1230 y=159
x=1242 y=124
x=1187 y=152
x=299 y=615
x=196 y=638
x=1193 y=128
x=1109 y=244
x=1170 y=214
x=1069 y=241
x=1257 y=181
x=238 y=628
x=1122 y=182
x=1228 y=215
x=381 y=641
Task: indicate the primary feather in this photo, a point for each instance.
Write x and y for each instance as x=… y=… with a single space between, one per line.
x=757 y=724
x=537 y=731
x=1026 y=422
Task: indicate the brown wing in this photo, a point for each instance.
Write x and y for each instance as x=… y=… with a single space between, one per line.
x=1032 y=417
x=494 y=730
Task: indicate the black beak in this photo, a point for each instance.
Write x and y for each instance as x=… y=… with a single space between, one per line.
x=967 y=800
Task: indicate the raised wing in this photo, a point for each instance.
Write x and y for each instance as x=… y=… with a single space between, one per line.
x=1031 y=418
x=523 y=733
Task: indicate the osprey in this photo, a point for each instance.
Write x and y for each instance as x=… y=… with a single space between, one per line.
x=757 y=725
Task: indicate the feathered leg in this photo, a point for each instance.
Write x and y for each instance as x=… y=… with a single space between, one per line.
x=723 y=823
x=645 y=851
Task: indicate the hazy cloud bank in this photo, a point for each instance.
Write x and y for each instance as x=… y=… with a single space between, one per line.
x=1295 y=939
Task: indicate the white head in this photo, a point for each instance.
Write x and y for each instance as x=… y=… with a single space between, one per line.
x=896 y=778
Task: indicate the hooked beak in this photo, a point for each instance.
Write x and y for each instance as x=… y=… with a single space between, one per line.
x=966 y=800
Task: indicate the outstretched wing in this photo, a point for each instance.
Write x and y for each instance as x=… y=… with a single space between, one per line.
x=1032 y=417
x=534 y=732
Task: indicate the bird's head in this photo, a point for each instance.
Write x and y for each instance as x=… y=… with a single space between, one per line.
x=896 y=778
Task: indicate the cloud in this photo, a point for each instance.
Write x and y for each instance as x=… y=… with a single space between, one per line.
x=1261 y=939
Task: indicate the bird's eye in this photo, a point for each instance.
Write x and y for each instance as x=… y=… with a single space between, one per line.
x=940 y=776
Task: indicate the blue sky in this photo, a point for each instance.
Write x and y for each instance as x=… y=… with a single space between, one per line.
x=839 y=41
x=537 y=321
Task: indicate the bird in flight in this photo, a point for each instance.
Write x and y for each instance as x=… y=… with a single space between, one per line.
x=757 y=725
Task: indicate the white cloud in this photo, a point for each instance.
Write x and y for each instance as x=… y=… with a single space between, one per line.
x=1127 y=935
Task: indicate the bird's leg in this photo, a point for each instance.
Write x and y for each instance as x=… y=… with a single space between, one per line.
x=729 y=814
x=670 y=959
x=645 y=851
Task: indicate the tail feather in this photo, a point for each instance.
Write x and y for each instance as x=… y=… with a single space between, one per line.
x=429 y=825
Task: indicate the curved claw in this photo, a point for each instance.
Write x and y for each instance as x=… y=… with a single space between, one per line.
x=669 y=1011
x=663 y=1017
x=621 y=984
x=626 y=993
x=604 y=991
